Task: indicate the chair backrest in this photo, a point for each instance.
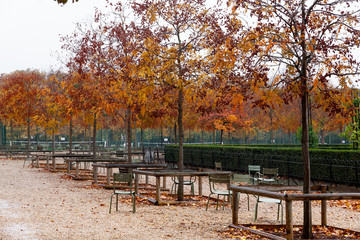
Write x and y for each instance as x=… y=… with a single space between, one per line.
x=241 y=178
x=253 y=169
x=218 y=179
x=186 y=179
x=272 y=172
x=123 y=178
x=218 y=166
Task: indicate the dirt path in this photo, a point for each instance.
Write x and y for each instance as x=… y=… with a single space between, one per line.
x=36 y=204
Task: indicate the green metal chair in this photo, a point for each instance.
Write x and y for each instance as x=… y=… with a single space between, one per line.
x=253 y=170
x=260 y=199
x=242 y=179
x=268 y=176
x=30 y=159
x=214 y=181
x=186 y=181
x=218 y=166
x=121 y=178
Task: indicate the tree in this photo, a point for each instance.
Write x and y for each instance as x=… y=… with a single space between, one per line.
x=302 y=45
x=87 y=86
x=179 y=29
x=21 y=93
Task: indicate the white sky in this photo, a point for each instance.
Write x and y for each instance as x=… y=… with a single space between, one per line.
x=30 y=31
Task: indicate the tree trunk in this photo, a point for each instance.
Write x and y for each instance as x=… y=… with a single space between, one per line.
x=89 y=139
x=271 y=128
x=175 y=134
x=289 y=135
x=322 y=136
x=181 y=139
x=202 y=136
x=170 y=136
x=70 y=134
x=307 y=231
x=94 y=137
x=142 y=139
x=161 y=137
x=129 y=136
x=306 y=165
x=11 y=134
x=53 y=142
x=28 y=135
x=214 y=136
x=221 y=136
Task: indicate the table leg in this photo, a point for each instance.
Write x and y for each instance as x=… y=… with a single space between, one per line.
x=164 y=182
x=157 y=197
x=137 y=183
x=200 y=185
x=108 y=173
x=289 y=222
x=235 y=208
x=95 y=175
x=47 y=162
x=68 y=163
x=77 y=169
x=54 y=163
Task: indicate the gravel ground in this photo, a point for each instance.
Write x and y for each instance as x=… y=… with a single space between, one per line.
x=37 y=204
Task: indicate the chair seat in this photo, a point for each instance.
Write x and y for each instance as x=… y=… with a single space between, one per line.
x=123 y=192
x=185 y=182
x=123 y=178
x=269 y=200
x=267 y=180
x=226 y=192
x=214 y=181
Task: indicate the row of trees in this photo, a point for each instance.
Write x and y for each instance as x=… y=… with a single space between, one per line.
x=40 y=99
x=170 y=61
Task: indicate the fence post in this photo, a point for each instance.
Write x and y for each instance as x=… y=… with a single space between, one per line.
x=289 y=221
x=323 y=207
x=235 y=208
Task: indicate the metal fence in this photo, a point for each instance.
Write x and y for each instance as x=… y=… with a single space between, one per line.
x=329 y=168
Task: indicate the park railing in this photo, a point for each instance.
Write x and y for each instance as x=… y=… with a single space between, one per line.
x=337 y=167
x=288 y=199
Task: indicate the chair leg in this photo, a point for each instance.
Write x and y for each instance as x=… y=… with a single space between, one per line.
x=133 y=197
x=117 y=202
x=111 y=202
x=256 y=209
x=248 y=202
x=207 y=205
x=192 y=189
x=172 y=186
x=217 y=202
x=224 y=202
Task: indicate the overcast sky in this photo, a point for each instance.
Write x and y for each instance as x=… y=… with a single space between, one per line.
x=30 y=30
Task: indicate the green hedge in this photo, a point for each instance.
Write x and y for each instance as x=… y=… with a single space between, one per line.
x=335 y=166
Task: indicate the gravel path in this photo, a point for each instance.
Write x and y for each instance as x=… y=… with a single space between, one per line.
x=37 y=204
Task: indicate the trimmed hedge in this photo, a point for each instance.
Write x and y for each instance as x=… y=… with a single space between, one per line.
x=334 y=166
